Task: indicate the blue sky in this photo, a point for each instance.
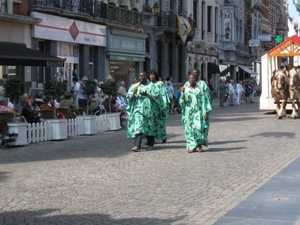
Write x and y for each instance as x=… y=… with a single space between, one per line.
x=292 y=10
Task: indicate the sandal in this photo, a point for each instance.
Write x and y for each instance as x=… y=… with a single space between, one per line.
x=135 y=149
x=199 y=149
x=192 y=150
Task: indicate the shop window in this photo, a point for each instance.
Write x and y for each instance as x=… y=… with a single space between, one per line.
x=123 y=71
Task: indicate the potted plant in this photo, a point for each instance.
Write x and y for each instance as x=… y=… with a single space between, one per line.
x=14 y=87
x=55 y=89
x=109 y=88
x=89 y=89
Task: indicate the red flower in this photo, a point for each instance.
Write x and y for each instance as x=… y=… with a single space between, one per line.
x=182 y=89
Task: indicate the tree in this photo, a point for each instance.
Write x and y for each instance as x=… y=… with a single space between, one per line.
x=14 y=87
x=55 y=89
x=109 y=88
x=89 y=89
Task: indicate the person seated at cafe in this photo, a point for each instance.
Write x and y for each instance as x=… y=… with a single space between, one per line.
x=46 y=104
x=68 y=102
x=38 y=98
x=4 y=129
x=29 y=110
x=94 y=103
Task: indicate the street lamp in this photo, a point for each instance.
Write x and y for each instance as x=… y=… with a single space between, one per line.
x=227 y=32
x=156 y=8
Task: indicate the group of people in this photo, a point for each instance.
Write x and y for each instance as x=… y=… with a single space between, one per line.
x=236 y=91
x=149 y=105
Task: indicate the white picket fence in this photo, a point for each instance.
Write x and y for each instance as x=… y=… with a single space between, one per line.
x=39 y=132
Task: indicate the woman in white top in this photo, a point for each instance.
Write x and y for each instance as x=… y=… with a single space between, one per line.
x=239 y=91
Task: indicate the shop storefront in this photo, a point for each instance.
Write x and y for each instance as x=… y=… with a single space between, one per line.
x=125 y=54
x=82 y=44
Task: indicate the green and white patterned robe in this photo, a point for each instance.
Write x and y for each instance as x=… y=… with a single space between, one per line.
x=161 y=111
x=196 y=104
x=141 y=110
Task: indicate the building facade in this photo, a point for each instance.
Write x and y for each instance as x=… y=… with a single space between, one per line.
x=120 y=38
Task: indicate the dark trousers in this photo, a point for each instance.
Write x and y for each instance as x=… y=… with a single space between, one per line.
x=3 y=127
x=150 y=140
x=222 y=99
x=138 y=140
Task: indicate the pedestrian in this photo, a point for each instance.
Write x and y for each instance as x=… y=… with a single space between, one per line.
x=239 y=91
x=82 y=97
x=222 y=92
x=196 y=106
x=162 y=108
x=141 y=98
x=171 y=94
x=231 y=93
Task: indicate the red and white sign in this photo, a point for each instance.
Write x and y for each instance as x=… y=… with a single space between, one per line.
x=68 y=30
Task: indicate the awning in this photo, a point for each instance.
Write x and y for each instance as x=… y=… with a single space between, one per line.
x=14 y=54
x=247 y=70
x=212 y=68
x=227 y=70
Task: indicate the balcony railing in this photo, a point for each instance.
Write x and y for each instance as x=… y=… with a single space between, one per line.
x=166 y=19
x=92 y=8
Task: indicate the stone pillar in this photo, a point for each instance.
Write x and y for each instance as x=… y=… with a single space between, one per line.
x=164 y=60
x=83 y=61
x=99 y=63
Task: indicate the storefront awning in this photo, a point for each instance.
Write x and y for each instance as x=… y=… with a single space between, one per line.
x=212 y=68
x=227 y=70
x=247 y=70
x=14 y=54
x=126 y=57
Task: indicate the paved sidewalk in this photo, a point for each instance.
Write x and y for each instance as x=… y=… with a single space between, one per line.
x=249 y=174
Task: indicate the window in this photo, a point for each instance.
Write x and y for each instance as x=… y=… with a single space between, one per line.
x=209 y=19
x=195 y=13
x=202 y=20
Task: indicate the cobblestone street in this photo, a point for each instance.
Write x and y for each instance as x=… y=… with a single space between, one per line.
x=91 y=180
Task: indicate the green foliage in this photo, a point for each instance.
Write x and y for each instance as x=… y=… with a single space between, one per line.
x=14 y=87
x=109 y=87
x=54 y=88
x=90 y=87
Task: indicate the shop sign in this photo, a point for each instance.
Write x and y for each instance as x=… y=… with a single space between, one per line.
x=68 y=30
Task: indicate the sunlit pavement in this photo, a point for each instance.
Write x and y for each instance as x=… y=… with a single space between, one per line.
x=97 y=179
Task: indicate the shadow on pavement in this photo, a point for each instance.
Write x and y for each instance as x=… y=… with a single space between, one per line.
x=222 y=149
x=225 y=142
x=275 y=134
x=40 y=217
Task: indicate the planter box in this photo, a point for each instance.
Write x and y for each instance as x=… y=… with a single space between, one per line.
x=58 y=129
x=21 y=130
x=89 y=124
x=114 y=121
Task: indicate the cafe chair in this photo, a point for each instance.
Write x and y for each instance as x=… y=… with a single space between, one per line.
x=8 y=117
x=47 y=114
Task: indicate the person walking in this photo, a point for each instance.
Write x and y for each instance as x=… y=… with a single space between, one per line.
x=161 y=109
x=141 y=99
x=231 y=92
x=196 y=106
x=171 y=94
x=222 y=92
x=239 y=91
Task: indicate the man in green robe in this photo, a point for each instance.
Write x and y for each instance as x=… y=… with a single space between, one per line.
x=141 y=99
x=196 y=105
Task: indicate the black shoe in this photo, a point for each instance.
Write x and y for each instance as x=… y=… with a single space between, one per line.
x=164 y=141
x=8 y=140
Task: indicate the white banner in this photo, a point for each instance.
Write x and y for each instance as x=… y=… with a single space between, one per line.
x=68 y=30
